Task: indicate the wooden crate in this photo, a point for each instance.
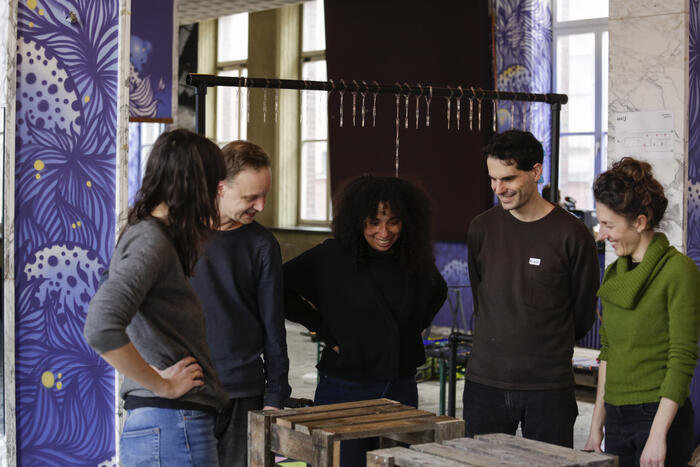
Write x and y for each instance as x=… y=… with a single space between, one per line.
x=313 y=434
x=487 y=450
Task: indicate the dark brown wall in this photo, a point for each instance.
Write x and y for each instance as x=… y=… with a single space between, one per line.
x=438 y=42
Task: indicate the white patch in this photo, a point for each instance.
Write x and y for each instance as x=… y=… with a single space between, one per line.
x=535 y=261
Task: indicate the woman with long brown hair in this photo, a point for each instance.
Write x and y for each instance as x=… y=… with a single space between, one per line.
x=145 y=319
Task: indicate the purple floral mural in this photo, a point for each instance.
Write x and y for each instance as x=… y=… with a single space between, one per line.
x=693 y=227
x=64 y=226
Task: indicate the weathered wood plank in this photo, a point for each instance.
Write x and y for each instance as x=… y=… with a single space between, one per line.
x=366 y=430
x=259 y=454
x=460 y=456
x=404 y=457
x=569 y=455
x=290 y=443
x=292 y=420
x=326 y=449
x=275 y=414
x=365 y=419
x=448 y=428
x=503 y=453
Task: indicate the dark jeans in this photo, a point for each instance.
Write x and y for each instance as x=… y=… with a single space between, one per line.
x=332 y=390
x=627 y=429
x=233 y=443
x=545 y=415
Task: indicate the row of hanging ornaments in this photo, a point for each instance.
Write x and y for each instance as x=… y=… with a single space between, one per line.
x=526 y=119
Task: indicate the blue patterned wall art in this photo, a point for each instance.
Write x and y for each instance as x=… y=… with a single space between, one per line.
x=64 y=227
x=451 y=261
x=693 y=184
x=524 y=64
x=151 y=54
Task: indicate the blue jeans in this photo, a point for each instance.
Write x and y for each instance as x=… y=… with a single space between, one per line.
x=333 y=390
x=544 y=415
x=155 y=437
x=627 y=429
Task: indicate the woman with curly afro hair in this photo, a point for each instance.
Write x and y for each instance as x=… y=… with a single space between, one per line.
x=651 y=321
x=369 y=293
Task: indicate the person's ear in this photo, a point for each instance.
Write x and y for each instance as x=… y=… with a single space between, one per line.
x=220 y=189
x=641 y=223
x=537 y=171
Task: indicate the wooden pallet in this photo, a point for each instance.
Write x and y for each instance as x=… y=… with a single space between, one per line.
x=487 y=450
x=313 y=434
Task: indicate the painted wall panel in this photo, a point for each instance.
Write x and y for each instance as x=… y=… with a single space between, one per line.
x=65 y=218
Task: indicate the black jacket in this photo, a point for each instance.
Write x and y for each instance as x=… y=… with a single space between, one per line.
x=357 y=308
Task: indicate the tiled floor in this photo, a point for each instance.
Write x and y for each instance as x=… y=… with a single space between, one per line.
x=302 y=377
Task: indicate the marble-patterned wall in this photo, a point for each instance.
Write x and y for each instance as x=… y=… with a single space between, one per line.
x=649 y=71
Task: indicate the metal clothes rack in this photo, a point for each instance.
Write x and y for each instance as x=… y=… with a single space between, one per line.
x=201 y=82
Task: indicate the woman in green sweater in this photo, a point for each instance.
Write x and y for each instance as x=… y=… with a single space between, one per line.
x=651 y=321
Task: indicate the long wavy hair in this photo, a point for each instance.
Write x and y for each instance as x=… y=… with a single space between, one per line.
x=359 y=200
x=183 y=172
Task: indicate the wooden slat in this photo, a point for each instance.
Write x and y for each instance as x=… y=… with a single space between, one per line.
x=259 y=454
x=448 y=428
x=404 y=457
x=365 y=419
x=367 y=430
x=504 y=453
x=326 y=450
x=275 y=414
x=460 y=456
x=290 y=443
x=292 y=420
x=569 y=455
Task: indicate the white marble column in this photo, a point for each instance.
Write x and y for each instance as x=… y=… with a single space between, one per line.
x=648 y=72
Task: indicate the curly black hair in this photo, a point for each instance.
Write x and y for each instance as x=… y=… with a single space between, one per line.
x=359 y=200
x=630 y=189
x=183 y=171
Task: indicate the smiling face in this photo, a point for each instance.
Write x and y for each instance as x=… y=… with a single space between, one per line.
x=515 y=188
x=383 y=230
x=625 y=237
x=243 y=197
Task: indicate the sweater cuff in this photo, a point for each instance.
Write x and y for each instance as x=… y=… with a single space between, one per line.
x=675 y=387
x=273 y=399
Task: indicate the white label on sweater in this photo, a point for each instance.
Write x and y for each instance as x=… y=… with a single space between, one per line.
x=535 y=261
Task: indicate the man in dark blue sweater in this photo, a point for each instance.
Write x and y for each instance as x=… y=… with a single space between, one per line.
x=239 y=282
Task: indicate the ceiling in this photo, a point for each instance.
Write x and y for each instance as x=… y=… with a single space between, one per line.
x=192 y=11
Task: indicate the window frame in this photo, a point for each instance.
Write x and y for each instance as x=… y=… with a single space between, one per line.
x=307 y=57
x=598 y=27
x=240 y=66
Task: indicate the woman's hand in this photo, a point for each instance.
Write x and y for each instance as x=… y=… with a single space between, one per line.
x=595 y=439
x=654 y=453
x=180 y=378
x=336 y=349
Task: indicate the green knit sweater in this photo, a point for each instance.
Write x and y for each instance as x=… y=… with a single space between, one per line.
x=651 y=322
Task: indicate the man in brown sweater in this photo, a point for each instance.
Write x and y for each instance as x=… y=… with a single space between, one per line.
x=534 y=273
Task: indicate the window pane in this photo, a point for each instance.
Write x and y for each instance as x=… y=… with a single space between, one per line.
x=604 y=83
x=576 y=78
x=314 y=104
x=229 y=108
x=314 y=33
x=577 y=169
x=233 y=38
x=314 y=180
x=572 y=10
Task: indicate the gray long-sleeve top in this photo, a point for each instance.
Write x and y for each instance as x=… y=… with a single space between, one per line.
x=147 y=300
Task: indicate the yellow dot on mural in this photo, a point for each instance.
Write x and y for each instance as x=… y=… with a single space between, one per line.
x=73 y=225
x=60 y=375
x=59 y=385
x=38 y=176
x=87 y=99
x=31 y=4
x=31 y=24
x=78 y=223
x=89 y=184
x=47 y=379
x=41 y=11
x=39 y=164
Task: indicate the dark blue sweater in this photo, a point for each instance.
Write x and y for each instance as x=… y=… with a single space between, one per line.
x=238 y=280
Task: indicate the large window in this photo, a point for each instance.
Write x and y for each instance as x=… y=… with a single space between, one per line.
x=581 y=65
x=314 y=206
x=232 y=55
